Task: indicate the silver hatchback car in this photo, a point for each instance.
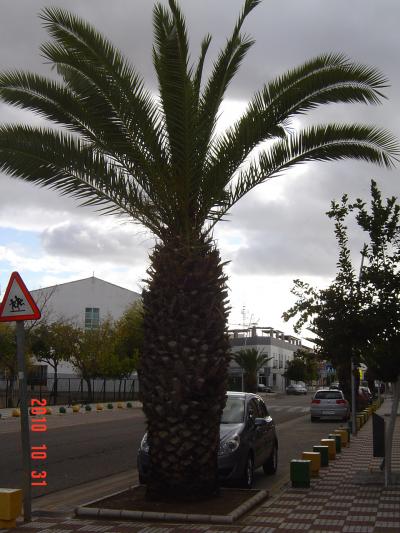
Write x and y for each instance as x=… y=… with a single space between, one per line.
x=328 y=403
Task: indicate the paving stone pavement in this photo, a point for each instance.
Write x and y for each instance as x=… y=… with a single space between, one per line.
x=337 y=501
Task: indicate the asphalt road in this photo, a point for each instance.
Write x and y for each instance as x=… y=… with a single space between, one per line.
x=91 y=446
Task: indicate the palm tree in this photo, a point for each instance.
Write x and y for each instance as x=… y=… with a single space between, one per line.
x=159 y=161
x=250 y=361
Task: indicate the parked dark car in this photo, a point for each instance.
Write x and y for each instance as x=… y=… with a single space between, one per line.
x=296 y=389
x=263 y=388
x=248 y=441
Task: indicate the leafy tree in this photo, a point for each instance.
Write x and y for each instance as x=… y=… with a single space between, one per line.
x=160 y=162
x=360 y=318
x=380 y=281
x=296 y=370
x=8 y=358
x=250 y=361
x=129 y=338
x=91 y=352
x=303 y=366
x=332 y=315
x=51 y=343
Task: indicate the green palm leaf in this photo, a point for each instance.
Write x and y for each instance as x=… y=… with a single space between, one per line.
x=318 y=143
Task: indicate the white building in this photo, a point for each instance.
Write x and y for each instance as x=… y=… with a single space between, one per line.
x=280 y=348
x=84 y=303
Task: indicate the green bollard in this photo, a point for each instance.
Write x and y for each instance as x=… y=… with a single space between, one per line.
x=338 y=442
x=300 y=473
x=323 y=451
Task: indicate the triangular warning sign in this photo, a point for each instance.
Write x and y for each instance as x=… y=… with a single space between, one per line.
x=18 y=303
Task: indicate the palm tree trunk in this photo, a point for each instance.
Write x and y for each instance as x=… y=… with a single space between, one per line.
x=183 y=368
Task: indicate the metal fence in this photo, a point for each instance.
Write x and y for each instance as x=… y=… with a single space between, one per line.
x=71 y=390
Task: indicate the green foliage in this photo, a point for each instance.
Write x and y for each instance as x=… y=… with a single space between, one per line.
x=129 y=338
x=303 y=367
x=251 y=361
x=8 y=349
x=296 y=370
x=52 y=343
x=93 y=351
x=358 y=316
x=380 y=283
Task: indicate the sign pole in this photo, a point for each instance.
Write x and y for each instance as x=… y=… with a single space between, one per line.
x=353 y=400
x=26 y=447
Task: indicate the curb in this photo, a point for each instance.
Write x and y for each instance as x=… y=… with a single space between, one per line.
x=96 y=512
x=59 y=410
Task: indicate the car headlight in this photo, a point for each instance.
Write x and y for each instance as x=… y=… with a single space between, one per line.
x=229 y=446
x=144 y=445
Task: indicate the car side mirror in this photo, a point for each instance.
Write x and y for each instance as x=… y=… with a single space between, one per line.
x=258 y=422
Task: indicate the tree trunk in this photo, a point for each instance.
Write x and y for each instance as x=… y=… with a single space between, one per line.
x=390 y=432
x=344 y=377
x=250 y=380
x=89 y=386
x=55 y=385
x=183 y=369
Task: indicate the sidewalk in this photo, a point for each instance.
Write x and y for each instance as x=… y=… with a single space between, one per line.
x=344 y=498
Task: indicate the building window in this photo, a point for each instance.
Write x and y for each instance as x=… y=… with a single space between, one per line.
x=92 y=317
x=280 y=360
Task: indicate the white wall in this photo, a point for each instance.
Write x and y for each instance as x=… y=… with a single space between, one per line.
x=69 y=300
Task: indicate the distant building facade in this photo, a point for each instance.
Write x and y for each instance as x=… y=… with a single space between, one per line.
x=280 y=348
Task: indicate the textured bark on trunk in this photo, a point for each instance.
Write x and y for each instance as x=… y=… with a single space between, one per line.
x=183 y=368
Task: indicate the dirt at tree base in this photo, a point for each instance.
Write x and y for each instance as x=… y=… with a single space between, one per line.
x=134 y=499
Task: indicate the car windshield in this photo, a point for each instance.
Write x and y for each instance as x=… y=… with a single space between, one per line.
x=233 y=412
x=328 y=395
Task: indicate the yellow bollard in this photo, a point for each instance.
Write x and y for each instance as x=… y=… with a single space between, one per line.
x=16 y=412
x=120 y=405
x=331 y=443
x=10 y=507
x=343 y=436
x=76 y=408
x=315 y=462
x=99 y=407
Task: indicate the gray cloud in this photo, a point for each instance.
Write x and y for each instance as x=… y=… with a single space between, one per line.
x=118 y=245
x=291 y=235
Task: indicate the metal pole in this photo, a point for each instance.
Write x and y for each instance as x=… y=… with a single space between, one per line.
x=353 y=400
x=26 y=447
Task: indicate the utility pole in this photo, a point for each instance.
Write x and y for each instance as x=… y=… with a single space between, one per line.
x=353 y=368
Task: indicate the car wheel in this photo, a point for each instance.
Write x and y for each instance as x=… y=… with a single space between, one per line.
x=314 y=419
x=271 y=464
x=248 y=474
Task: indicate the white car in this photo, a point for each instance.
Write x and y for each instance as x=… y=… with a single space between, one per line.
x=329 y=403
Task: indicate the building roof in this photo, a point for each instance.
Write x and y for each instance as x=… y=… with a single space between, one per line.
x=83 y=280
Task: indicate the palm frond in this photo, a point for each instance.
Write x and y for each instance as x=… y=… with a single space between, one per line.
x=98 y=73
x=199 y=69
x=64 y=163
x=58 y=103
x=329 y=78
x=224 y=69
x=318 y=143
x=170 y=57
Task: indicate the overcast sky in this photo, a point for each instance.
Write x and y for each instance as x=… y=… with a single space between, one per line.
x=280 y=231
